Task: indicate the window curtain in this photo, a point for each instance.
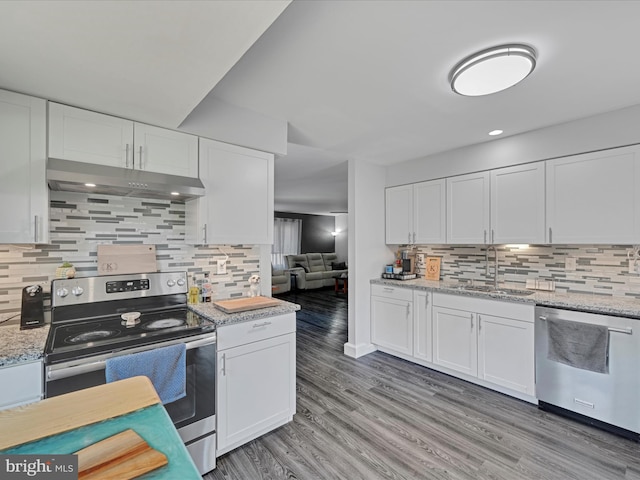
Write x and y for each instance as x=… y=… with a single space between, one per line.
x=287 y=235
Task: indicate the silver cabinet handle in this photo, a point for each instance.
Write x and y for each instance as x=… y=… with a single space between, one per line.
x=493 y=236
x=224 y=364
x=550 y=236
x=485 y=236
x=35 y=228
x=140 y=166
x=204 y=233
x=471 y=321
x=426 y=300
x=479 y=322
x=126 y=156
x=387 y=289
x=543 y=318
x=263 y=324
x=408 y=310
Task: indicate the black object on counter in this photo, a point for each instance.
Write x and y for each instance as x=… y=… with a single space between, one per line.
x=32 y=313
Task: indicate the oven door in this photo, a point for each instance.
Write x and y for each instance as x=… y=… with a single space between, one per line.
x=193 y=415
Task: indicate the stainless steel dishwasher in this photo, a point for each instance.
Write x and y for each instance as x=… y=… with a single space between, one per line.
x=607 y=400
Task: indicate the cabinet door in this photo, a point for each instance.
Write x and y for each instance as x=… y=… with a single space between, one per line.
x=429 y=213
x=392 y=324
x=517 y=204
x=595 y=197
x=506 y=353
x=399 y=214
x=468 y=209
x=256 y=389
x=454 y=340
x=238 y=205
x=84 y=136
x=23 y=382
x=24 y=216
x=422 y=326
x=165 y=151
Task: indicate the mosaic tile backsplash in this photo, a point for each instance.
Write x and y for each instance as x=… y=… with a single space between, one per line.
x=599 y=270
x=79 y=222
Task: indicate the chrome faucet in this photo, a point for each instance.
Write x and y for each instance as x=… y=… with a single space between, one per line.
x=495 y=265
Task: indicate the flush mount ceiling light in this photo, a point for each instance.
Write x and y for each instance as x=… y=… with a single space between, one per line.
x=493 y=133
x=492 y=70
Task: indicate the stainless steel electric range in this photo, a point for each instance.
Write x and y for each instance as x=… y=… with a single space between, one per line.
x=94 y=318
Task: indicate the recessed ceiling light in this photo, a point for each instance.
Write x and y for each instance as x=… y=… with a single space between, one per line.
x=495 y=132
x=89 y=184
x=492 y=70
x=175 y=193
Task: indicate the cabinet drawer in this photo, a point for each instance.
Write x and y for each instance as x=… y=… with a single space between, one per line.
x=255 y=330
x=399 y=293
x=25 y=383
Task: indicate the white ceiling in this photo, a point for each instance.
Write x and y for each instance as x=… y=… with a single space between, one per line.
x=354 y=79
x=151 y=61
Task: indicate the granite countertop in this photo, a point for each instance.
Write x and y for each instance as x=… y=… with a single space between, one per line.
x=21 y=346
x=221 y=318
x=603 y=304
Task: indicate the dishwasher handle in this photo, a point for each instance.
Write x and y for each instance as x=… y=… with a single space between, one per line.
x=627 y=331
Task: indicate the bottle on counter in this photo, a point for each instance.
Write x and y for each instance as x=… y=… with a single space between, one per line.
x=207 y=288
x=194 y=292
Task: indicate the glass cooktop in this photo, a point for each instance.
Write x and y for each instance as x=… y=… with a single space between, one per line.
x=79 y=339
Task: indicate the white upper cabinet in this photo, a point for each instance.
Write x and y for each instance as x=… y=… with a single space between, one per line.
x=517 y=204
x=24 y=216
x=468 y=209
x=594 y=197
x=429 y=214
x=84 y=136
x=415 y=213
x=165 y=151
x=399 y=214
x=238 y=205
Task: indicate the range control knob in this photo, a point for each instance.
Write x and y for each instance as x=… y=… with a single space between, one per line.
x=181 y=282
x=77 y=291
x=62 y=292
x=171 y=282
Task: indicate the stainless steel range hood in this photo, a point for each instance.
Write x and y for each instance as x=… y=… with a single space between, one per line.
x=71 y=176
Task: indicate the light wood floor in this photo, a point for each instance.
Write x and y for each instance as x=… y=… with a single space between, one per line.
x=379 y=417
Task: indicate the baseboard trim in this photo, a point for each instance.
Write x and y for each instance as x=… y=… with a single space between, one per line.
x=356 y=351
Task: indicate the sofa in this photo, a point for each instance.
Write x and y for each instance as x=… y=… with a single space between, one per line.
x=315 y=270
x=280 y=280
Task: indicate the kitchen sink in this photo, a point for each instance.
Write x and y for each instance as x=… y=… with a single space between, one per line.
x=491 y=289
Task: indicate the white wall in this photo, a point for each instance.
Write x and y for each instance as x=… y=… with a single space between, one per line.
x=613 y=129
x=367 y=250
x=342 y=239
x=219 y=120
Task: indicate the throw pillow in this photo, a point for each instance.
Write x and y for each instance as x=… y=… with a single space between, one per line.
x=338 y=266
x=305 y=268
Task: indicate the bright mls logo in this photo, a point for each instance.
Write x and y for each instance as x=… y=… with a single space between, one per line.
x=45 y=467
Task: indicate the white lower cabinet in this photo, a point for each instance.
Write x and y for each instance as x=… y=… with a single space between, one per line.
x=506 y=353
x=23 y=384
x=392 y=318
x=256 y=379
x=422 y=325
x=489 y=342
x=454 y=340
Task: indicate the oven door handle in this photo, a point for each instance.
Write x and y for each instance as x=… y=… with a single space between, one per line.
x=71 y=371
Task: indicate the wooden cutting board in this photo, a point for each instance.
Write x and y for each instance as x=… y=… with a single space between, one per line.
x=121 y=259
x=74 y=410
x=123 y=456
x=244 y=304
